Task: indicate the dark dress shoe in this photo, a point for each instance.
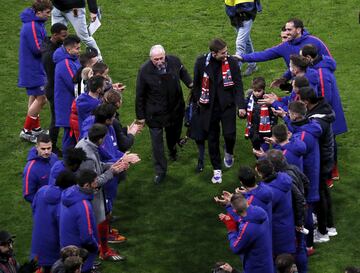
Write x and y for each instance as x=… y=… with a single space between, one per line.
x=200 y=166
x=173 y=156
x=159 y=178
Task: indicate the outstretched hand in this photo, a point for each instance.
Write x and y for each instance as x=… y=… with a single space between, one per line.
x=279 y=112
x=259 y=153
x=134 y=128
x=237 y=57
x=268 y=99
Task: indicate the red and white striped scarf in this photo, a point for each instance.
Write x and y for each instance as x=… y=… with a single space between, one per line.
x=264 y=126
x=226 y=75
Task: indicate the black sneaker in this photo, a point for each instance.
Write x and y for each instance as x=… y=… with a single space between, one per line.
x=28 y=136
x=39 y=131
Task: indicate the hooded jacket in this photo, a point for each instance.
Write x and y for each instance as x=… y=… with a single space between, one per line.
x=283 y=227
x=285 y=49
x=45 y=243
x=253 y=240
x=85 y=104
x=65 y=69
x=36 y=173
x=77 y=221
x=326 y=67
x=32 y=37
x=56 y=169
x=86 y=125
x=313 y=78
x=261 y=196
x=293 y=151
x=325 y=116
x=309 y=131
x=240 y=11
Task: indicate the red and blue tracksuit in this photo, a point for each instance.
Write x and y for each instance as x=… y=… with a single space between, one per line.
x=261 y=196
x=45 y=243
x=32 y=36
x=86 y=125
x=313 y=79
x=77 y=223
x=283 y=226
x=110 y=153
x=65 y=69
x=293 y=151
x=56 y=169
x=325 y=67
x=252 y=240
x=85 y=104
x=309 y=131
x=285 y=49
x=36 y=173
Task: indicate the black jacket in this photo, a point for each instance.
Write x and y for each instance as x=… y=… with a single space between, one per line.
x=298 y=192
x=65 y=5
x=49 y=65
x=228 y=98
x=324 y=115
x=159 y=97
x=124 y=140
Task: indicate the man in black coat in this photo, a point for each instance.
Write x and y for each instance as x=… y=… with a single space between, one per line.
x=322 y=112
x=218 y=90
x=160 y=103
x=58 y=34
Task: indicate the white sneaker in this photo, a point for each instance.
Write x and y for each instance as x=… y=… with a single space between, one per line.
x=332 y=231
x=217 y=177
x=321 y=238
x=228 y=160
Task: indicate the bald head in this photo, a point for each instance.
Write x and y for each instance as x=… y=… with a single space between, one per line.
x=157 y=56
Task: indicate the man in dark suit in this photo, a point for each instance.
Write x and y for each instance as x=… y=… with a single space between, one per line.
x=218 y=90
x=160 y=103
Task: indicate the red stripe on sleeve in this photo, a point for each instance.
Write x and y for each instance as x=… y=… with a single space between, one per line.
x=249 y=201
x=68 y=68
x=34 y=34
x=303 y=135
x=326 y=48
x=241 y=234
x=27 y=177
x=284 y=152
x=322 y=82
x=88 y=217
